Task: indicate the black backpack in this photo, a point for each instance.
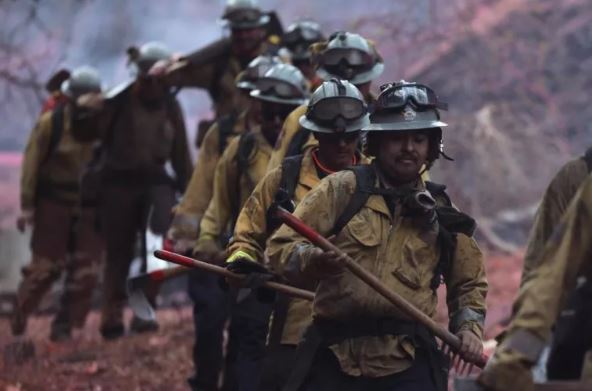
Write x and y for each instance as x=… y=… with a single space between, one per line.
x=225 y=129
x=57 y=130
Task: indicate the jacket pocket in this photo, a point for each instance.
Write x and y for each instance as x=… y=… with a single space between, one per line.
x=363 y=232
x=417 y=257
x=410 y=279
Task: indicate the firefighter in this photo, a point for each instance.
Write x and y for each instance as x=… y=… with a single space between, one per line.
x=216 y=66
x=404 y=231
x=141 y=128
x=185 y=226
x=345 y=56
x=335 y=115
x=297 y=39
x=563 y=271
x=64 y=236
x=238 y=171
x=210 y=302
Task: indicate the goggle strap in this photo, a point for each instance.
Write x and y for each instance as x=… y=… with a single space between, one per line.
x=340 y=87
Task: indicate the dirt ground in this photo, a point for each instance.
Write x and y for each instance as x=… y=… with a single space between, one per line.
x=162 y=360
x=155 y=361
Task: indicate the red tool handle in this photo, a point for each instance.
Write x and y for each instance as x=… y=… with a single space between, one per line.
x=195 y=264
x=401 y=303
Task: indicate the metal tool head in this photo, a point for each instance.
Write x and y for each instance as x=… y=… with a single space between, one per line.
x=137 y=299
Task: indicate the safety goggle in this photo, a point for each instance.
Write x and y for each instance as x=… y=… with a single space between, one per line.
x=305 y=32
x=253 y=73
x=279 y=88
x=350 y=57
x=329 y=109
x=243 y=16
x=271 y=111
x=399 y=95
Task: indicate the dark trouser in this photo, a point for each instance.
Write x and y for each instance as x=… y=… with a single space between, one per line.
x=246 y=336
x=246 y=351
x=64 y=239
x=210 y=312
x=326 y=375
x=124 y=213
x=277 y=367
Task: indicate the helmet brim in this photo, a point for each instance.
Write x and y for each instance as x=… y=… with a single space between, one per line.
x=404 y=126
x=263 y=20
x=359 y=78
x=65 y=88
x=257 y=94
x=246 y=85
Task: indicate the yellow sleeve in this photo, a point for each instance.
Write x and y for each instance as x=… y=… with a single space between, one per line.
x=35 y=153
x=251 y=231
x=289 y=253
x=224 y=198
x=467 y=287
x=564 y=258
x=555 y=201
x=566 y=255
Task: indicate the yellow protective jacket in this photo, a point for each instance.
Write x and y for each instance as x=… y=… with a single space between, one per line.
x=251 y=234
x=53 y=173
x=397 y=251
x=566 y=256
x=555 y=201
x=199 y=191
x=238 y=171
x=139 y=140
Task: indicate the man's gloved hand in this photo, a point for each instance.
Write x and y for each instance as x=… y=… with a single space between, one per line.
x=508 y=370
x=208 y=250
x=25 y=219
x=160 y=68
x=325 y=264
x=93 y=101
x=184 y=232
x=256 y=276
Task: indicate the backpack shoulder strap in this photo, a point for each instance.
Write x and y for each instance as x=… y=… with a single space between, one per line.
x=588 y=159
x=57 y=130
x=451 y=222
x=225 y=129
x=297 y=142
x=365 y=179
x=284 y=195
x=246 y=144
x=290 y=175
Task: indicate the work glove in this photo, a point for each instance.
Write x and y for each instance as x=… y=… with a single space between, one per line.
x=508 y=370
x=183 y=233
x=324 y=264
x=255 y=276
x=25 y=219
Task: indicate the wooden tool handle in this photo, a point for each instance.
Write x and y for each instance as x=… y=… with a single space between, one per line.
x=195 y=264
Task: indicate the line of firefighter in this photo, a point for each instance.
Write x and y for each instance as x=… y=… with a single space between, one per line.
x=242 y=170
x=126 y=188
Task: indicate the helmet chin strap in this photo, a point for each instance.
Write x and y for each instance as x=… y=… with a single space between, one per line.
x=445 y=156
